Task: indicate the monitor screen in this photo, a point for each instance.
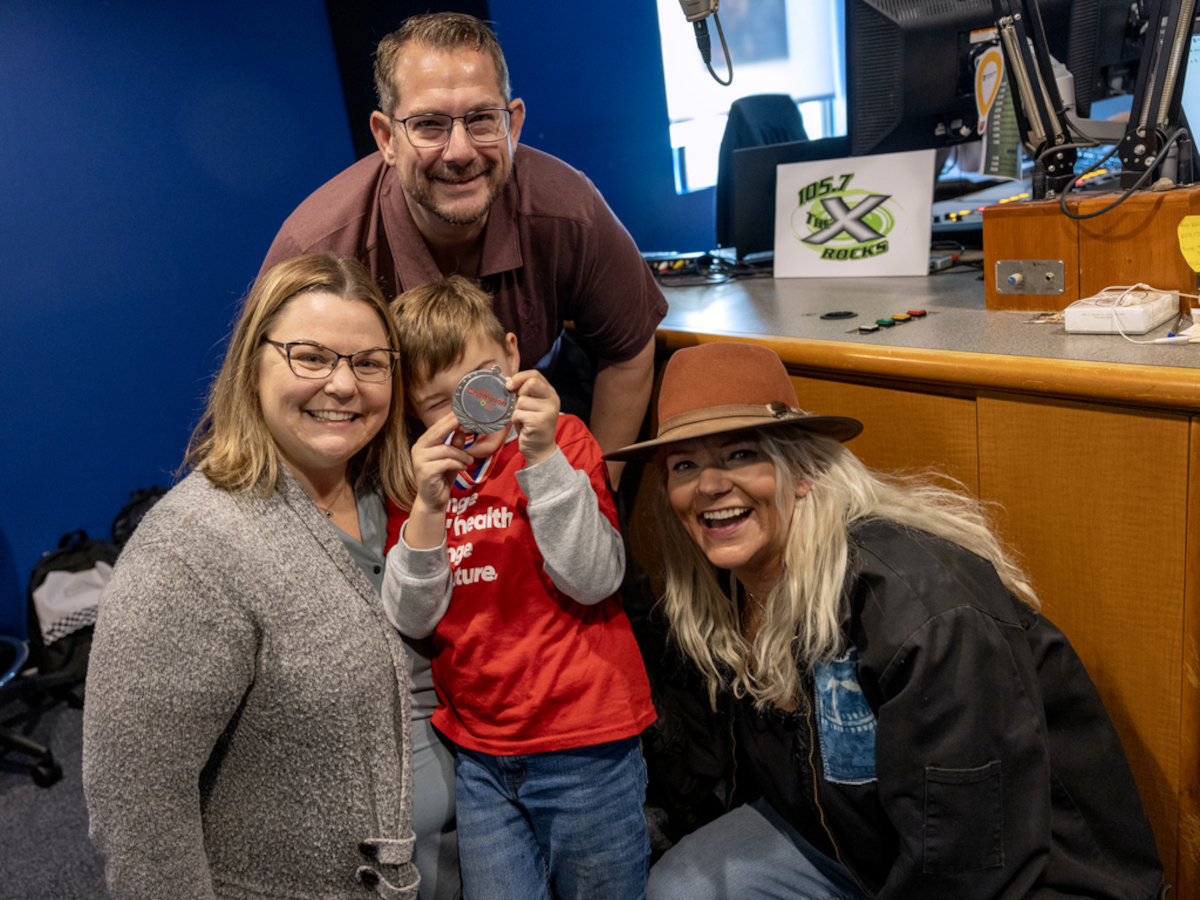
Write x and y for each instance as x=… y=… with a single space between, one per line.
x=1190 y=102
x=751 y=227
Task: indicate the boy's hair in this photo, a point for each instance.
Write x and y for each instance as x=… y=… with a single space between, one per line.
x=435 y=322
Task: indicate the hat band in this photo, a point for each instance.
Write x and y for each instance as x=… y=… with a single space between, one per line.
x=718 y=418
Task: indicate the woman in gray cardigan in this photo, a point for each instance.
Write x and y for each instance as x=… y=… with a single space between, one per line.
x=248 y=731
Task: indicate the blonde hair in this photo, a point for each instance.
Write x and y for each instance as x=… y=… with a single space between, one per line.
x=444 y=31
x=801 y=621
x=231 y=445
x=435 y=322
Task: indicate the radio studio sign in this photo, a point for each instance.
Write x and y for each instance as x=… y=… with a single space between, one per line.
x=858 y=217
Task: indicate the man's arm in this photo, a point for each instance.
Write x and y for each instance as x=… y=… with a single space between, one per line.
x=619 y=402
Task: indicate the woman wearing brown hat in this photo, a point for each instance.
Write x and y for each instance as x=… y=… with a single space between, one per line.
x=911 y=725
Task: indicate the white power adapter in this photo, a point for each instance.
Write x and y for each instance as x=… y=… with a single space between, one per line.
x=1124 y=310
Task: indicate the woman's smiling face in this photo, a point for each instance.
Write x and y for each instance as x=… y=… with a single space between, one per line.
x=722 y=488
x=318 y=424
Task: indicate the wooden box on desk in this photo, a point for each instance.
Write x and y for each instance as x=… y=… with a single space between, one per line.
x=1136 y=242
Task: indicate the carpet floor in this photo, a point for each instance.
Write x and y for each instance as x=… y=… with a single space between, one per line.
x=45 y=852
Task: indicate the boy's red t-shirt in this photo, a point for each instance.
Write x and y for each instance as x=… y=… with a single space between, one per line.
x=519 y=666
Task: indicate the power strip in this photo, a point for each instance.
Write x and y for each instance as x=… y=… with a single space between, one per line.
x=1125 y=310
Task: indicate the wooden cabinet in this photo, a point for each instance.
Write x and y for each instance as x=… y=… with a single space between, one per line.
x=1094 y=499
x=1137 y=243
x=923 y=430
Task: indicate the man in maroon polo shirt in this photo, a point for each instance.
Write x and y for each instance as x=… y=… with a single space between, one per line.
x=450 y=190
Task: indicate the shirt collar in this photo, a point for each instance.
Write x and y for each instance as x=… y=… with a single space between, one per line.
x=415 y=265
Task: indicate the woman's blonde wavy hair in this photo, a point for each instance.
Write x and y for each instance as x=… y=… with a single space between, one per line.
x=232 y=446
x=803 y=611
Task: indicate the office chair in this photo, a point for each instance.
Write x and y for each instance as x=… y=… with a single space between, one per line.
x=13 y=687
x=754 y=121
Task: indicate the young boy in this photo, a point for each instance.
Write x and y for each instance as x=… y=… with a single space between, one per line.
x=510 y=557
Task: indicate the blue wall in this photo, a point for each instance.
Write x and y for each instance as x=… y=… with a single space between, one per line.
x=148 y=154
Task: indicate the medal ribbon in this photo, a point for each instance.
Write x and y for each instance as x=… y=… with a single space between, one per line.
x=469 y=478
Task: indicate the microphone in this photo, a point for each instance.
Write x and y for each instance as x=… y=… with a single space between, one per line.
x=703 y=42
x=696 y=10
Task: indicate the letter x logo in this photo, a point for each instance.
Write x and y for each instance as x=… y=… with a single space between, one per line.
x=848 y=219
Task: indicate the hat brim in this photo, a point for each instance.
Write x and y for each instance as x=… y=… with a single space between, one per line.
x=841 y=428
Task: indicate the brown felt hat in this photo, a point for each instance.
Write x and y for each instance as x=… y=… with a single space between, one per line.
x=723 y=387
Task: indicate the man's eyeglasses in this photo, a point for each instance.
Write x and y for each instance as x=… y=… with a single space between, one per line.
x=315 y=361
x=484 y=125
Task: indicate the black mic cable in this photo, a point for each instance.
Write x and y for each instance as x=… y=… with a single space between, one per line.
x=704 y=44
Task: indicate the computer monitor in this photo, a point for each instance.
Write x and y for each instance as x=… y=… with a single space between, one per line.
x=1190 y=101
x=1106 y=47
x=754 y=121
x=751 y=196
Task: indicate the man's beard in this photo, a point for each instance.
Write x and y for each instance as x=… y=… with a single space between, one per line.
x=423 y=195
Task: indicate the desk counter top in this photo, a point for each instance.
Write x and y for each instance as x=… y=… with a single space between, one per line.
x=958 y=342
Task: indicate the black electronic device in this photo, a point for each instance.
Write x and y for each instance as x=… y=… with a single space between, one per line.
x=1052 y=127
x=752 y=197
x=1156 y=116
x=696 y=11
x=755 y=121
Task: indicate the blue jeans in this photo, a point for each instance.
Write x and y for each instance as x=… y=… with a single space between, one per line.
x=751 y=853
x=567 y=824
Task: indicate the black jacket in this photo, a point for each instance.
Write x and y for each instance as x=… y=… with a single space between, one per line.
x=990 y=771
x=999 y=773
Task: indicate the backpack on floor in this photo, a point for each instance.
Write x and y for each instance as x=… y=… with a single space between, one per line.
x=131 y=513
x=63 y=597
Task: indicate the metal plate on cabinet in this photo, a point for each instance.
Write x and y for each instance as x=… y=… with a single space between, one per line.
x=1030 y=276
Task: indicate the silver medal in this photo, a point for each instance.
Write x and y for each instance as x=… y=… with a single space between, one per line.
x=482 y=403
